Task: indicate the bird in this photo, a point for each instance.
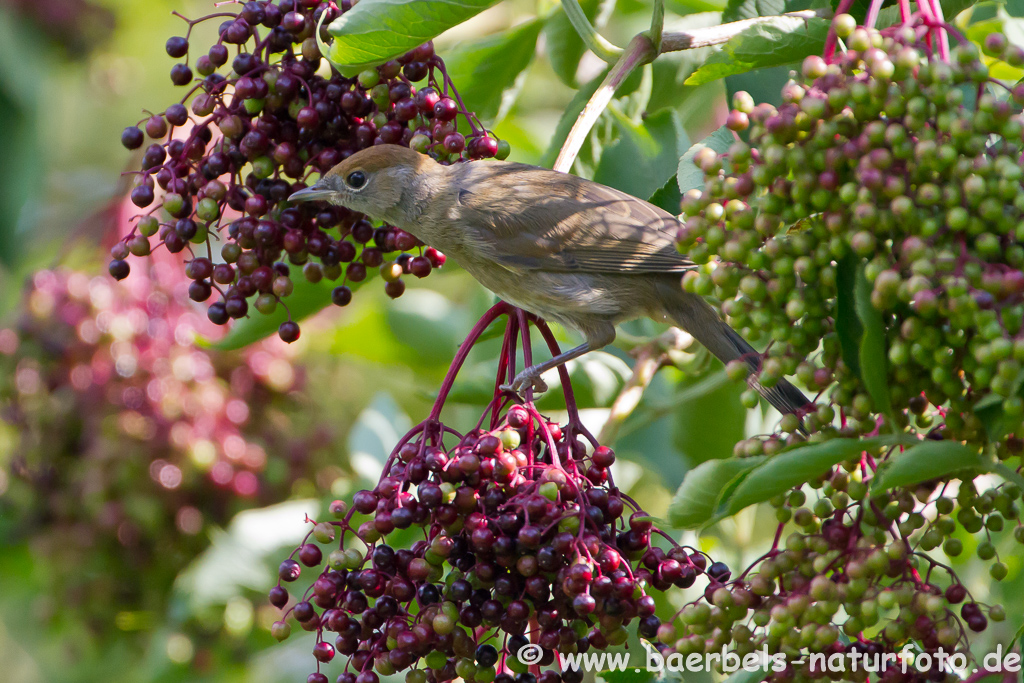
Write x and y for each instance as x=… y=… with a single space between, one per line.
x=564 y=248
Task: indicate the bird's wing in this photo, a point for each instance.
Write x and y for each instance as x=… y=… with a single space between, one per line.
x=556 y=222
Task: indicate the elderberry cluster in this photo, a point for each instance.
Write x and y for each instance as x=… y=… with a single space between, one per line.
x=856 y=565
x=884 y=197
x=220 y=168
x=888 y=187
x=525 y=540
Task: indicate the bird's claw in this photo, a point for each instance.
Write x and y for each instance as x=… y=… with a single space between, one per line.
x=527 y=379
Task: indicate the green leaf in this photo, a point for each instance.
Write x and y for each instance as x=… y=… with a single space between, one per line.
x=874 y=358
x=737 y=10
x=927 y=460
x=374 y=31
x=720 y=405
x=645 y=154
x=696 y=501
x=790 y=469
x=754 y=676
x=848 y=325
x=305 y=300
x=23 y=65
x=667 y=197
x=634 y=675
x=686 y=7
x=671 y=69
x=772 y=42
x=488 y=72
x=688 y=175
x=990 y=411
x=862 y=332
x=564 y=46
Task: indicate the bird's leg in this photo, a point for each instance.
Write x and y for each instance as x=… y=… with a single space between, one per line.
x=530 y=377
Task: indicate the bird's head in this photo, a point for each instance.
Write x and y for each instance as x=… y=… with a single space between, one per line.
x=375 y=181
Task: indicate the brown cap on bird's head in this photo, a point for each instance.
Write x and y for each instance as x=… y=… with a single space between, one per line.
x=381 y=156
x=352 y=173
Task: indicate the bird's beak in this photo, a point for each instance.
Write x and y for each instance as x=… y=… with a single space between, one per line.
x=312 y=194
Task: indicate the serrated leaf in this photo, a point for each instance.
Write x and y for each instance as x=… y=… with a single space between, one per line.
x=564 y=46
x=487 y=71
x=688 y=175
x=671 y=69
x=696 y=501
x=667 y=197
x=374 y=31
x=872 y=352
x=305 y=300
x=737 y=10
x=927 y=460
x=790 y=469
x=772 y=42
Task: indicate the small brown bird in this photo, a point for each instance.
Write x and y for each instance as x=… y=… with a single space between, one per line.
x=567 y=249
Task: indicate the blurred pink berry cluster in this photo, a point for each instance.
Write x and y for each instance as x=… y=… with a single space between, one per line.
x=127 y=439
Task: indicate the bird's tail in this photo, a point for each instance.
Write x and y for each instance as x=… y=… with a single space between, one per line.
x=697 y=317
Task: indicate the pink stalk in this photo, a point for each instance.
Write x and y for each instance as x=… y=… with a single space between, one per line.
x=496 y=311
x=905 y=11
x=872 y=17
x=943 y=36
x=831 y=40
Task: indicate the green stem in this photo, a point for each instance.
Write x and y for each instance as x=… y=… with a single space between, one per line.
x=657 y=25
x=638 y=52
x=594 y=41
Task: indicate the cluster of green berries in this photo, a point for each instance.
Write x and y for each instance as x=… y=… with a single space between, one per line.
x=857 y=576
x=891 y=165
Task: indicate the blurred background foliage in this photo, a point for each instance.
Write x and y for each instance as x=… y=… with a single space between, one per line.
x=114 y=567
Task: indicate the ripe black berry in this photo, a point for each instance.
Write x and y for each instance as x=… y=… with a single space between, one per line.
x=132 y=137
x=177 y=46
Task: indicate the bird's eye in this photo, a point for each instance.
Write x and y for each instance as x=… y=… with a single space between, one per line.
x=356 y=179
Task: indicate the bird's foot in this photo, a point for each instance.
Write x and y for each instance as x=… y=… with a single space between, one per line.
x=527 y=379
